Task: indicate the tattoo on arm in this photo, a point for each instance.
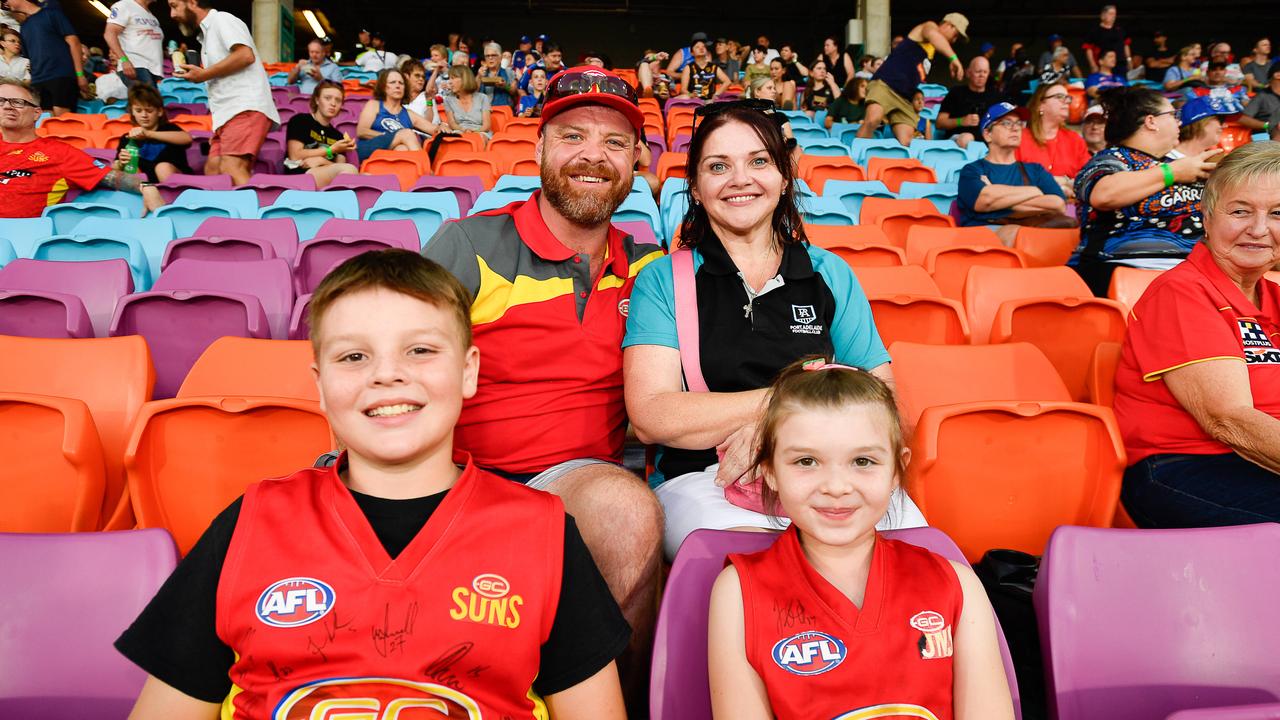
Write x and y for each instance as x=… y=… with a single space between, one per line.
x=116 y=180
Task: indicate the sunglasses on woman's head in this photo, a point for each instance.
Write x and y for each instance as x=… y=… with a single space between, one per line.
x=712 y=109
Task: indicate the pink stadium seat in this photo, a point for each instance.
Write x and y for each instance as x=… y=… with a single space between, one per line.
x=98 y=285
x=366 y=187
x=173 y=186
x=465 y=187
x=332 y=245
x=220 y=234
x=269 y=186
x=268 y=280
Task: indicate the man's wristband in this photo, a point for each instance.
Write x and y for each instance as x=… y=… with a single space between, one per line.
x=1168 y=174
x=1266 y=126
x=328 y=151
x=125 y=59
x=79 y=73
x=954 y=58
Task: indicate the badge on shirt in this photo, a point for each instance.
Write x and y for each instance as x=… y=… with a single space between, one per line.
x=936 y=642
x=1258 y=348
x=38 y=157
x=809 y=653
x=805 y=317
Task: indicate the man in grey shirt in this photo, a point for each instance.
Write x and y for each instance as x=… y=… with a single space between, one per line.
x=1262 y=114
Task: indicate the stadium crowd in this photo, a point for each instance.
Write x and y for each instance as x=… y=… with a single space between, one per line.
x=520 y=348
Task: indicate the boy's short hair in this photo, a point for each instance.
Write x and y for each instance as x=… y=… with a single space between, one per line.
x=399 y=271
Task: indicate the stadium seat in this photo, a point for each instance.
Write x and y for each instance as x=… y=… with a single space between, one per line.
x=946 y=158
x=23 y=233
x=940 y=194
x=299 y=322
x=897 y=217
x=237 y=239
x=857 y=245
x=1050 y=308
x=67 y=216
x=475 y=163
x=96 y=285
x=672 y=164
x=195 y=206
x=97 y=246
x=270 y=281
x=1000 y=455
x=1157 y=604
x=66 y=598
x=173 y=480
x=908 y=306
x=923 y=238
x=526 y=167
x=817 y=170
x=821 y=145
x=1046 y=247
x=54 y=473
x=490 y=200
x=639 y=230
x=427 y=210
x=507 y=152
x=112 y=376
x=268 y=187
x=366 y=187
x=640 y=206
x=950 y=266
x=1129 y=283
x=310 y=210
x=175 y=184
x=1101 y=380
x=864 y=148
x=250 y=367
x=976 y=150
x=517 y=183
x=43 y=314
x=679 y=686
x=825 y=211
x=465 y=188
x=465 y=143
x=851 y=193
x=895 y=171
x=321 y=254
x=407 y=167
x=395 y=232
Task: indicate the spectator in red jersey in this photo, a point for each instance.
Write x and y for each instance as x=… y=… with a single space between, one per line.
x=36 y=172
x=1047 y=139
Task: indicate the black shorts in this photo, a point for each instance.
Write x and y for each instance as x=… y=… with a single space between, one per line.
x=58 y=92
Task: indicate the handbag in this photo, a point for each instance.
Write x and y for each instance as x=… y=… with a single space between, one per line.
x=746 y=496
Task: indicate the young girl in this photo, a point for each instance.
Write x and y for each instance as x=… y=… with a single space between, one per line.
x=834 y=620
x=822 y=90
x=162 y=146
x=313 y=144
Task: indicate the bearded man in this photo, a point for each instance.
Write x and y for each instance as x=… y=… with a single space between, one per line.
x=552 y=278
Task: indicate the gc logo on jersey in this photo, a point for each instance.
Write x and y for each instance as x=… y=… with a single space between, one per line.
x=937 y=641
x=809 y=653
x=375 y=698
x=294 y=602
x=486 y=602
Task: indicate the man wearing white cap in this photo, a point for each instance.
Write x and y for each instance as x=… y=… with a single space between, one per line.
x=891 y=88
x=1094 y=128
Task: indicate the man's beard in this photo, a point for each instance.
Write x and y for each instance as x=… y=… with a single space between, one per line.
x=583 y=207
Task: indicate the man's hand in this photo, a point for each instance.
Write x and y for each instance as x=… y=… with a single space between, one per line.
x=129 y=70
x=194 y=73
x=736 y=455
x=957 y=69
x=137 y=133
x=970 y=120
x=313 y=71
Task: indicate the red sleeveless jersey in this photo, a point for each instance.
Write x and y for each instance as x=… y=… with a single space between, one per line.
x=821 y=657
x=325 y=625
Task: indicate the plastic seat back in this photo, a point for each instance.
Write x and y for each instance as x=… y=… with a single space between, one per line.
x=54 y=475
x=1046 y=247
x=188 y=458
x=672 y=164
x=941 y=194
x=679 y=687
x=406 y=167
x=310 y=210
x=825 y=211
x=466 y=188
x=280 y=233
x=476 y=164
x=1215 y=586
x=58 y=655
x=895 y=171
x=317 y=257
x=43 y=314
x=67 y=217
x=112 y=376
x=1129 y=283
x=251 y=367
x=1051 y=308
x=366 y=187
x=427 y=210
x=923 y=238
x=907 y=306
x=817 y=170
x=491 y=200
x=1101 y=380
x=875 y=208
x=864 y=148
x=75 y=248
x=270 y=281
x=268 y=187
x=23 y=233
x=176 y=184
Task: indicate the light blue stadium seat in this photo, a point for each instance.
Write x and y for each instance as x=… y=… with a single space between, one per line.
x=78 y=248
x=827 y=146
x=1261 y=137
x=798 y=118
x=518 y=183
x=24 y=233
x=153 y=233
x=844 y=132
x=193 y=207
x=850 y=193
x=673 y=202
x=131 y=203
x=490 y=200
x=945 y=157
x=928 y=113
x=6 y=252
x=820 y=118
x=803 y=189
x=309 y=209
x=931 y=90
x=89 y=107
x=639 y=206
x=863 y=148
x=427 y=210
x=809 y=132
x=278 y=79
x=115 y=111
x=825 y=211
x=67 y=216
x=976 y=150
x=641 y=186
x=941 y=194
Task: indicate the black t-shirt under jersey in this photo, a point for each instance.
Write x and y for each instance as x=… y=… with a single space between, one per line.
x=175 y=638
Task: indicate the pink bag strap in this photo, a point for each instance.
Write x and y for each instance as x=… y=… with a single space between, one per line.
x=686 y=297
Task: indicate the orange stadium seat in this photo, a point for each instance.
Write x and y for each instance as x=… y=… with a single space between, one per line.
x=253 y=367
x=471 y=163
x=1000 y=455
x=1046 y=247
x=1233 y=136
x=947 y=254
x=907 y=306
x=923 y=238
x=527 y=167
x=69 y=122
x=896 y=217
x=459 y=145
x=506 y=152
x=406 y=166
x=895 y=171
x=816 y=170
x=517 y=130
x=1101 y=382
x=112 y=376
x=188 y=458
x=1050 y=308
x=499 y=116
x=671 y=164
x=858 y=245
x=1079 y=103
x=76 y=138
x=203 y=123
x=117 y=126
x=54 y=475
x=1129 y=283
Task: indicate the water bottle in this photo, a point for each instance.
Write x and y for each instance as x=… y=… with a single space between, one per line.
x=131 y=165
x=178 y=61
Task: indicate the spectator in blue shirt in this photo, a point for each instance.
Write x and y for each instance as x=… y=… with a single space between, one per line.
x=308 y=73
x=1105 y=77
x=57 y=71
x=1000 y=190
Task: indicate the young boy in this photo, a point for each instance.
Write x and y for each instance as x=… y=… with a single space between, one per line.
x=396 y=582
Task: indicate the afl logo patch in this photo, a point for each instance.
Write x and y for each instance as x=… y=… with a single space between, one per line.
x=809 y=653
x=624 y=307
x=294 y=602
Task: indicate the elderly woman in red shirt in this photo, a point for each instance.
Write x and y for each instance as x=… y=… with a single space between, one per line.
x=1198 y=386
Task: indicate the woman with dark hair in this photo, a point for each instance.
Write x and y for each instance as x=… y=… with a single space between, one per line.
x=385 y=123
x=839 y=64
x=1136 y=207
x=763 y=296
x=313 y=145
x=821 y=91
x=1048 y=140
x=786 y=99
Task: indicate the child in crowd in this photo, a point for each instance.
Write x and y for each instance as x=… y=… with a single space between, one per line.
x=401 y=577
x=161 y=145
x=924 y=127
x=531 y=103
x=870 y=623
x=313 y=145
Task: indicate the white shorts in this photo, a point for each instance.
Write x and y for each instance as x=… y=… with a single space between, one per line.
x=693 y=500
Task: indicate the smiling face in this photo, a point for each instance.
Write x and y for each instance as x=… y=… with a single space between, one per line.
x=392 y=373
x=834 y=470
x=1243 y=230
x=737 y=181
x=586 y=158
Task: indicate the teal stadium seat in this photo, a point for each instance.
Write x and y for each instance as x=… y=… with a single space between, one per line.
x=23 y=233
x=67 y=216
x=851 y=193
x=193 y=207
x=517 y=183
x=825 y=146
x=825 y=211
x=864 y=148
x=309 y=210
x=427 y=210
x=491 y=200
x=940 y=194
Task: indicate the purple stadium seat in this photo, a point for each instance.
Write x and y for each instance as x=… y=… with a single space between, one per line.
x=678 y=687
x=465 y=187
x=279 y=233
x=299 y=328
x=678 y=101
x=347 y=126
x=64 y=600
x=657 y=145
x=198 y=152
x=99 y=284
x=43 y=314
x=269 y=280
x=640 y=230
x=105 y=155
x=269 y=186
x=366 y=187
x=680 y=143
x=187 y=109
x=271 y=155
x=1261 y=711
x=171 y=188
x=299 y=103
x=280 y=94
x=286 y=114
x=338 y=240
x=1139 y=624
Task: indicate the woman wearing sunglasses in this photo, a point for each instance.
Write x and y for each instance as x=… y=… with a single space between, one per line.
x=764 y=297
x=1048 y=141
